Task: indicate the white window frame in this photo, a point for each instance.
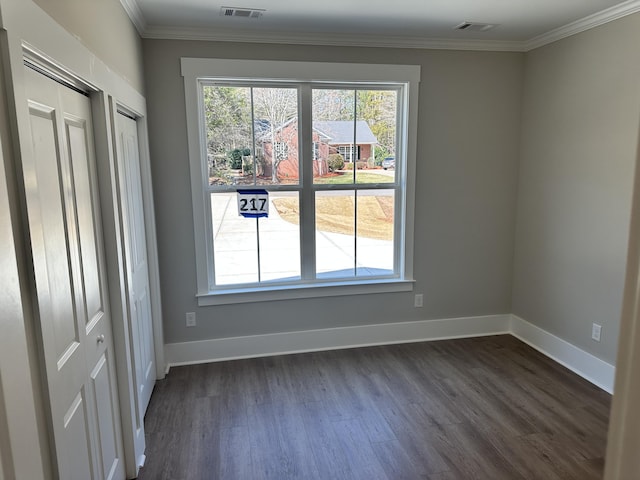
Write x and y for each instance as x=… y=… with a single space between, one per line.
x=350 y=153
x=316 y=151
x=197 y=71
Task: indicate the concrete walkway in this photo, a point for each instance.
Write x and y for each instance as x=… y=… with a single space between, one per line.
x=236 y=247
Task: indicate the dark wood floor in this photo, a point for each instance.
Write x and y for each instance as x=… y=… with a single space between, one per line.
x=486 y=408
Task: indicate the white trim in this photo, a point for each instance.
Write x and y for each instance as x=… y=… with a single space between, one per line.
x=233 y=348
x=588 y=366
x=135 y=14
x=23 y=448
x=152 y=245
x=311 y=290
x=622 y=461
x=605 y=16
x=385 y=41
x=405 y=77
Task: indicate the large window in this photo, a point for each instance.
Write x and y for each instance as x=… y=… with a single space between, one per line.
x=309 y=138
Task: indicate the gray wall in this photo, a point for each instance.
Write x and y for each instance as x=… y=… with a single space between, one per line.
x=103 y=27
x=468 y=140
x=579 y=142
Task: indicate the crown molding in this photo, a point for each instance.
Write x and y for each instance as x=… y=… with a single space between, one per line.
x=332 y=39
x=605 y=16
x=135 y=14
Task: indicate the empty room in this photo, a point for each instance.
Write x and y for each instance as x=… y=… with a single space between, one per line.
x=349 y=240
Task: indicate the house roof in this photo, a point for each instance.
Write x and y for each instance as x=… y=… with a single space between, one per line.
x=337 y=132
x=341 y=131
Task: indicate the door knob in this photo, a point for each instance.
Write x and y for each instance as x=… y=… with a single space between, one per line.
x=100 y=339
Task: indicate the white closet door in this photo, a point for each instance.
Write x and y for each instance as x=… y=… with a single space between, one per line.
x=133 y=226
x=70 y=282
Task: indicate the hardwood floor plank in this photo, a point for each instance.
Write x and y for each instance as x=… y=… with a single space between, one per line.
x=395 y=461
x=558 y=453
x=235 y=454
x=470 y=451
x=418 y=437
x=487 y=408
x=280 y=447
x=330 y=457
x=234 y=406
x=444 y=476
x=365 y=464
x=204 y=451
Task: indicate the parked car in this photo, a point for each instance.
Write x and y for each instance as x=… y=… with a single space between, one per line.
x=389 y=162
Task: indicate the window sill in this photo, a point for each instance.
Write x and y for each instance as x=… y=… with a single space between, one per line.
x=289 y=292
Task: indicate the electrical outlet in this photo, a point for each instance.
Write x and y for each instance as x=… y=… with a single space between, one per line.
x=417 y=302
x=596 y=330
x=191 y=319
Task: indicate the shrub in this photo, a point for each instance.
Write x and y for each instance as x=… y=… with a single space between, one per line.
x=335 y=162
x=235 y=157
x=348 y=166
x=361 y=165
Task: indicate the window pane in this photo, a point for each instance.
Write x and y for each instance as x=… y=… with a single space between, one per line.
x=244 y=245
x=227 y=112
x=235 y=243
x=335 y=230
x=280 y=238
x=234 y=117
x=333 y=113
x=356 y=134
x=374 y=230
x=276 y=129
x=376 y=135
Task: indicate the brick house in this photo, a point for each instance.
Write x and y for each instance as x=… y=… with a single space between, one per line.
x=329 y=137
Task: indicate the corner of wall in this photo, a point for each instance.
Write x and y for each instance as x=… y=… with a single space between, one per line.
x=588 y=366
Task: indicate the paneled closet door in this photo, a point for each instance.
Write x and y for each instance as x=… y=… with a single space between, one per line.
x=140 y=321
x=70 y=282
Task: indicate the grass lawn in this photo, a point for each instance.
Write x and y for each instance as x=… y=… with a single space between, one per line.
x=336 y=214
x=347 y=177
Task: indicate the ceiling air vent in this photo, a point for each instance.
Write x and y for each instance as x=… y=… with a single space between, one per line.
x=241 y=12
x=475 y=27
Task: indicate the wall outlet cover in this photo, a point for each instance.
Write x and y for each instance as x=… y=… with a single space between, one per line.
x=596 y=331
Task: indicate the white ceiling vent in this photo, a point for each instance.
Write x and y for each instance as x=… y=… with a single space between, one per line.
x=241 y=12
x=475 y=27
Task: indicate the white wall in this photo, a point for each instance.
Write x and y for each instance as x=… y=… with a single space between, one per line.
x=581 y=115
x=469 y=116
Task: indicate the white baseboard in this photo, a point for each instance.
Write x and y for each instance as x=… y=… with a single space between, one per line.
x=220 y=349
x=589 y=367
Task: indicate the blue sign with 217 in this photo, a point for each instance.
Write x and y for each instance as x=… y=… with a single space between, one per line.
x=253 y=203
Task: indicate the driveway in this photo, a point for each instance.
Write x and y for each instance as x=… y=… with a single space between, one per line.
x=237 y=254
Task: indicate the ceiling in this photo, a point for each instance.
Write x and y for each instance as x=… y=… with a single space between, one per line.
x=520 y=24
